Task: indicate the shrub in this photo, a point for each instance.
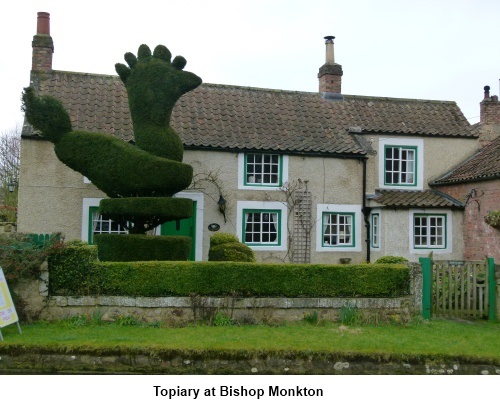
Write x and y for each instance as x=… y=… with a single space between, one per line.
x=392 y=260
x=225 y=247
x=21 y=255
x=221 y=237
x=493 y=218
x=71 y=265
x=166 y=279
x=132 y=248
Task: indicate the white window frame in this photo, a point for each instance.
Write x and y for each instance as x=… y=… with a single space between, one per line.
x=419 y=162
x=448 y=228
x=88 y=203
x=378 y=215
x=352 y=209
x=242 y=171
x=242 y=206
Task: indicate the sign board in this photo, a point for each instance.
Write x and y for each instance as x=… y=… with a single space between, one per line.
x=8 y=314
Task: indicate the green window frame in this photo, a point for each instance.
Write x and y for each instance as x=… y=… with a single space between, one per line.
x=429 y=231
x=400 y=165
x=338 y=229
x=375 y=230
x=261 y=227
x=263 y=170
x=99 y=225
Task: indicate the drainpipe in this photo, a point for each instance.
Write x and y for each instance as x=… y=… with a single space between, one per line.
x=366 y=212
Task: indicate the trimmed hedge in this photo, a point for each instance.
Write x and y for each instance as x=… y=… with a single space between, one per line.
x=132 y=248
x=72 y=266
x=163 y=279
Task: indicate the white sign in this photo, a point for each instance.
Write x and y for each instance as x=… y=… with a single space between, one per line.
x=8 y=314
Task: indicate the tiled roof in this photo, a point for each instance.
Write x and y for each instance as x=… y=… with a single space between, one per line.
x=415 y=199
x=232 y=117
x=485 y=164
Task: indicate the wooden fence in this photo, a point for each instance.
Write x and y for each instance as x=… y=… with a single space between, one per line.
x=459 y=289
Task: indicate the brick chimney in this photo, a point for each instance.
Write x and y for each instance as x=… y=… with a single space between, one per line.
x=330 y=74
x=490 y=118
x=42 y=44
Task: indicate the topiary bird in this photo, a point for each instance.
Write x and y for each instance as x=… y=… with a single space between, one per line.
x=150 y=168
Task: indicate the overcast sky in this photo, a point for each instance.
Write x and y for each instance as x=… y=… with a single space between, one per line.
x=426 y=49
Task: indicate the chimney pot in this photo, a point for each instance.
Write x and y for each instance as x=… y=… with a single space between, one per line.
x=43 y=23
x=486 y=92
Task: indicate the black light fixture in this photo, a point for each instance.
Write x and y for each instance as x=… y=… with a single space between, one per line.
x=11 y=186
x=222 y=206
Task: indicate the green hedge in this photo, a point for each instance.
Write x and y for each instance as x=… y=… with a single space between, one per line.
x=71 y=268
x=225 y=247
x=132 y=248
x=160 y=279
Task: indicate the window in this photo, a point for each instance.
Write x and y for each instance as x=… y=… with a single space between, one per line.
x=99 y=225
x=338 y=229
x=261 y=227
x=262 y=170
x=429 y=231
x=375 y=230
x=400 y=165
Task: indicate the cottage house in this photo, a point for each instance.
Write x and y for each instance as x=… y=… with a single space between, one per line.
x=298 y=176
x=476 y=183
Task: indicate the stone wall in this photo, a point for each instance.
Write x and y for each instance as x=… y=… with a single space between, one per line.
x=37 y=304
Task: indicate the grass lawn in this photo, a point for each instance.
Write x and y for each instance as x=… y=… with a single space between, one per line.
x=473 y=341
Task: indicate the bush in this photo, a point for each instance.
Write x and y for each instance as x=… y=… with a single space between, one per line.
x=71 y=265
x=493 y=218
x=132 y=248
x=392 y=260
x=21 y=255
x=225 y=247
x=166 y=279
x=221 y=237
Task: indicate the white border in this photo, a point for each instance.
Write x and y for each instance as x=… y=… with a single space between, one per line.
x=419 y=144
x=449 y=230
x=379 y=248
x=263 y=205
x=358 y=218
x=241 y=173
x=198 y=197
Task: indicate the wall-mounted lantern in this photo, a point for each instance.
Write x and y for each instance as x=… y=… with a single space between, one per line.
x=222 y=206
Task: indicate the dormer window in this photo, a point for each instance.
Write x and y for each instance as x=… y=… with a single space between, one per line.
x=401 y=162
x=262 y=170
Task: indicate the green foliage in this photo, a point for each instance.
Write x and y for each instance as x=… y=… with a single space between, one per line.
x=154 y=84
x=348 y=314
x=225 y=247
x=231 y=252
x=46 y=113
x=131 y=248
x=121 y=169
x=176 y=278
x=493 y=218
x=392 y=260
x=222 y=320
x=70 y=265
x=21 y=257
x=312 y=318
x=145 y=213
x=221 y=237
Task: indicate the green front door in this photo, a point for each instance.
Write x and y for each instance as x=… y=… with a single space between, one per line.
x=183 y=227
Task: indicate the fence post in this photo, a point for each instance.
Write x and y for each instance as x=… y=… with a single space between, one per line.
x=426 y=263
x=492 y=302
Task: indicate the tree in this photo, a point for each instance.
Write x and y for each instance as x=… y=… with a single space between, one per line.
x=10 y=148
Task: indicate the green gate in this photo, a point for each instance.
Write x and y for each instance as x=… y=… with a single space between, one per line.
x=458 y=289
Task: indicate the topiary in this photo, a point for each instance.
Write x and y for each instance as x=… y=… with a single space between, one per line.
x=225 y=247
